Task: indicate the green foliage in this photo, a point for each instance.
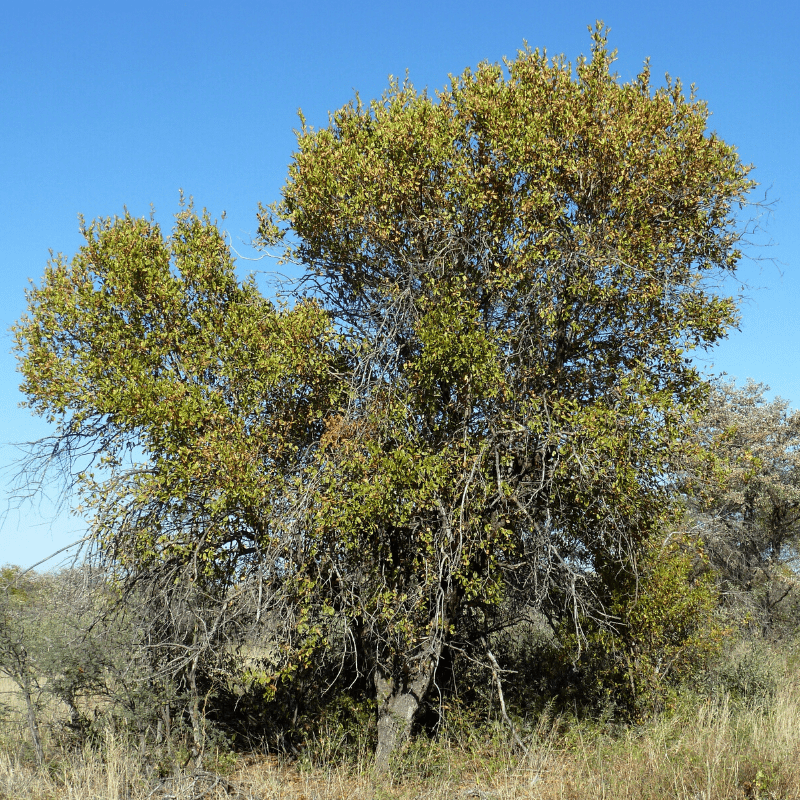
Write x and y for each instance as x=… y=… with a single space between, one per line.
x=185 y=405
x=747 y=671
x=20 y=624
x=148 y=349
x=666 y=630
x=746 y=503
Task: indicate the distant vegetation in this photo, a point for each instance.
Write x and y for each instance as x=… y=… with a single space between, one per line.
x=455 y=511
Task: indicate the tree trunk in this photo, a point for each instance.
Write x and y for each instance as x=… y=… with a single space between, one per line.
x=198 y=732
x=398 y=702
x=33 y=723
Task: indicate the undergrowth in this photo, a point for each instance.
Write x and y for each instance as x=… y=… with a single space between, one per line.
x=714 y=745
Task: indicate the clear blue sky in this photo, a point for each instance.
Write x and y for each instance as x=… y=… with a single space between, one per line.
x=106 y=105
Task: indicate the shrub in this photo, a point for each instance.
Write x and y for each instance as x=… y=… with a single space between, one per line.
x=665 y=630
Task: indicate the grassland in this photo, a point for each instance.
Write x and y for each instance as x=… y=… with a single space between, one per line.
x=704 y=749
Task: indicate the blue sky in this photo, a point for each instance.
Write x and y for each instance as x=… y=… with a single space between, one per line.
x=111 y=105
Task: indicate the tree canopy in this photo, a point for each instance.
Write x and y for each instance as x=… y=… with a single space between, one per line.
x=474 y=406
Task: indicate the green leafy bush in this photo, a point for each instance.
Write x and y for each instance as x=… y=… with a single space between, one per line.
x=665 y=630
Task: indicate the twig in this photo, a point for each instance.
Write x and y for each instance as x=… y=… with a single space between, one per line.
x=53 y=555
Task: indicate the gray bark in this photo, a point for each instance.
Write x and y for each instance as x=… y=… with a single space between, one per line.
x=33 y=723
x=398 y=703
x=198 y=733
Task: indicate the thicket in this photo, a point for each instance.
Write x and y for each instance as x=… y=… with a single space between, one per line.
x=108 y=688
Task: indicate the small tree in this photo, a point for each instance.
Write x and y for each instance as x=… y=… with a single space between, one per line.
x=519 y=266
x=666 y=630
x=21 y=642
x=748 y=503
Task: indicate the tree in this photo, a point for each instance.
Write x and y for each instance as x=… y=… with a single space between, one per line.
x=56 y=641
x=519 y=265
x=475 y=402
x=748 y=503
x=20 y=640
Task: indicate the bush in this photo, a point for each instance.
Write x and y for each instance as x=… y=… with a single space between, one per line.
x=747 y=671
x=665 y=631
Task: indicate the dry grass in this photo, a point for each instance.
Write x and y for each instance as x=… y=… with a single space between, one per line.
x=9 y=694
x=712 y=750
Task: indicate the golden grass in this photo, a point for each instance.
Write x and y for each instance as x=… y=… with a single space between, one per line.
x=707 y=750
